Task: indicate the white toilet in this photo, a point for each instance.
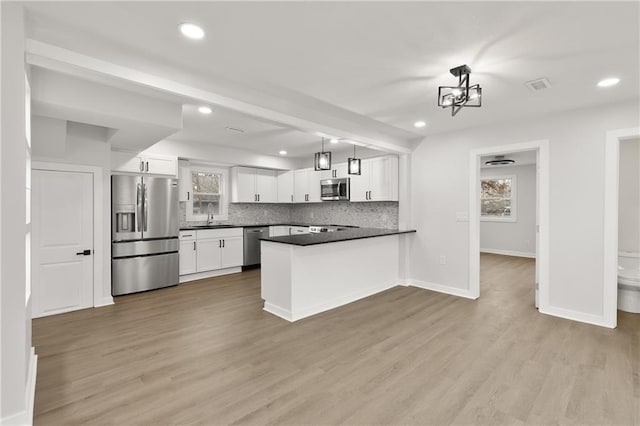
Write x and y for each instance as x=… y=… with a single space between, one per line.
x=629 y=282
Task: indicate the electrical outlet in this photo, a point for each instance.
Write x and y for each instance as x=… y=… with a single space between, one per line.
x=443 y=260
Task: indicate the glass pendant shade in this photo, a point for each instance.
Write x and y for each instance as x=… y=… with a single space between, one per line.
x=353 y=165
x=322 y=160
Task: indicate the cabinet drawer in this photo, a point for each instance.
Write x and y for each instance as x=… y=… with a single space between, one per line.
x=187 y=235
x=218 y=233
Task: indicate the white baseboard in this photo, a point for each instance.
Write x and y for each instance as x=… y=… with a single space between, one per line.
x=31 y=384
x=25 y=417
x=278 y=311
x=442 y=288
x=209 y=274
x=576 y=316
x=325 y=306
x=508 y=253
x=105 y=301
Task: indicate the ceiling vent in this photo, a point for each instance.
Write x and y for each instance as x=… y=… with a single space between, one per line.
x=537 y=85
x=234 y=129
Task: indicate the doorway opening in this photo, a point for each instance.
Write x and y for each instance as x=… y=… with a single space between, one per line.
x=508 y=221
x=618 y=219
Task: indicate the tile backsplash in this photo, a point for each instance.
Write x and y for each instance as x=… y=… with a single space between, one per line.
x=382 y=214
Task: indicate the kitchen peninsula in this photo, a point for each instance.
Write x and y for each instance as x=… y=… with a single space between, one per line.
x=303 y=275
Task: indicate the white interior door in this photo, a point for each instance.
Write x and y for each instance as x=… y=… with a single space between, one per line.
x=62 y=220
x=537 y=267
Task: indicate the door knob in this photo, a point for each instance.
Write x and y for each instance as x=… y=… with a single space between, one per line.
x=84 y=253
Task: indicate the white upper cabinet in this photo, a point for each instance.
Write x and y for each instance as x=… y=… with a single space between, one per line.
x=285 y=187
x=129 y=162
x=184 y=181
x=267 y=186
x=337 y=171
x=306 y=184
x=378 y=181
x=249 y=185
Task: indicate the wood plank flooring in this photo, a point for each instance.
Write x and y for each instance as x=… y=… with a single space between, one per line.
x=206 y=353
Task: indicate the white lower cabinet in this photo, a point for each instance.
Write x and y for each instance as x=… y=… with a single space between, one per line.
x=232 y=253
x=298 y=230
x=207 y=250
x=208 y=254
x=188 y=256
x=278 y=231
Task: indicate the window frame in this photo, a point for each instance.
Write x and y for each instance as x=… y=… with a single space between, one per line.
x=224 y=193
x=514 y=199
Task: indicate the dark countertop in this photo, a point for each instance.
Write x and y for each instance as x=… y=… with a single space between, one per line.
x=334 y=237
x=195 y=228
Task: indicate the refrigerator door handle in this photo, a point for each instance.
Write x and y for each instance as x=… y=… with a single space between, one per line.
x=145 y=206
x=138 y=208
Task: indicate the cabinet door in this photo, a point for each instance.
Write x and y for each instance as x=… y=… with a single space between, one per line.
x=232 y=252
x=158 y=165
x=187 y=257
x=208 y=253
x=243 y=185
x=185 y=182
x=383 y=179
x=359 y=184
x=301 y=185
x=266 y=185
x=314 y=185
x=125 y=162
x=285 y=187
x=340 y=171
x=295 y=230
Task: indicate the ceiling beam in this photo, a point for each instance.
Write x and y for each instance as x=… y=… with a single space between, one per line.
x=53 y=57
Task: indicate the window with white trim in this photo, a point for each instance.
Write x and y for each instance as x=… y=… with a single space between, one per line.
x=210 y=196
x=498 y=198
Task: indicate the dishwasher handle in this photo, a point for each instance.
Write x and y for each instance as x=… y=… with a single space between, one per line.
x=254 y=231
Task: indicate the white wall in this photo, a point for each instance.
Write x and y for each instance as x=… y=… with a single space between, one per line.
x=15 y=311
x=519 y=237
x=440 y=180
x=59 y=141
x=629 y=201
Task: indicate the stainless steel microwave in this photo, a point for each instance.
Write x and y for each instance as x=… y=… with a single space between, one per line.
x=334 y=189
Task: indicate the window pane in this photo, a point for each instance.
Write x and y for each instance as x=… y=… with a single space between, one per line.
x=205 y=182
x=496 y=188
x=206 y=204
x=496 y=207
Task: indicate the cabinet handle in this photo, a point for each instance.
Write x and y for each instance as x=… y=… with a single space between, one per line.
x=146 y=168
x=194 y=245
x=258 y=197
x=370 y=198
x=219 y=243
x=222 y=243
x=188 y=195
x=142 y=166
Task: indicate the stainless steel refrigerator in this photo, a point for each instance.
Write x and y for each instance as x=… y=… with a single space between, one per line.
x=144 y=233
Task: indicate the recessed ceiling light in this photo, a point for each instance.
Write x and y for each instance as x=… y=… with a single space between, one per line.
x=608 y=82
x=205 y=110
x=334 y=140
x=192 y=31
x=283 y=152
x=419 y=124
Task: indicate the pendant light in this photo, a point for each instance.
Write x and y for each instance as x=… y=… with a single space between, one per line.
x=353 y=164
x=322 y=160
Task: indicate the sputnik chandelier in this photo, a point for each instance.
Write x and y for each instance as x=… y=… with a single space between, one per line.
x=462 y=95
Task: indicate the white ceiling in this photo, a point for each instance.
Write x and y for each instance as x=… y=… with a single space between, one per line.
x=379 y=63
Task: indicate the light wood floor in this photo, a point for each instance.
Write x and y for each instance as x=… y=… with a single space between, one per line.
x=206 y=353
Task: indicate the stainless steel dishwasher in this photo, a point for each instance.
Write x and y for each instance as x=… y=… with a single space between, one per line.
x=252 y=237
